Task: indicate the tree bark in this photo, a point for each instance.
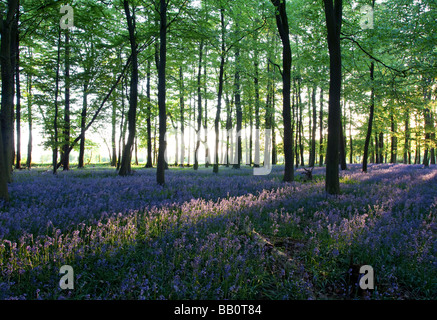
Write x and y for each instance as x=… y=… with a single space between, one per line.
x=333 y=15
x=283 y=28
x=83 y=116
x=18 y=94
x=407 y=153
x=182 y=114
x=239 y=113
x=314 y=128
x=428 y=129
x=300 y=104
x=29 y=121
x=125 y=167
x=149 y=114
x=257 y=103
x=160 y=173
x=393 y=149
x=381 y=147
x=113 y=134
x=66 y=129
x=55 y=119
x=199 y=107
x=351 y=149
x=343 y=165
x=321 y=128
x=220 y=91
x=205 y=118
x=7 y=98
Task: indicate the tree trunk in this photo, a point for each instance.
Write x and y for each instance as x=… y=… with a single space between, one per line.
x=343 y=165
x=237 y=97
x=220 y=91
x=66 y=129
x=205 y=119
x=136 y=151
x=313 y=133
x=229 y=132
x=149 y=114
x=18 y=96
x=351 y=154
x=381 y=147
x=7 y=98
x=83 y=116
x=333 y=15
x=428 y=129
x=257 y=103
x=182 y=119
x=160 y=173
x=407 y=137
x=125 y=167
x=55 y=119
x=300 y=103
x=30 y=122
x=283 y=28
x=394 y=142
x=274 y=150
x=113 y=133
x=199 y=108
x=321 y=128
x=121 y=138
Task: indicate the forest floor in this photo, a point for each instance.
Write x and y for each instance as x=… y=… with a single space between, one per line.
x=227 y=236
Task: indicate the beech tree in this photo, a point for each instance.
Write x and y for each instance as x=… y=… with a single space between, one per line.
x=333 y=15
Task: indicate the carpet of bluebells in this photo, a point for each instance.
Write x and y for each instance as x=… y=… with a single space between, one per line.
x=207 y=236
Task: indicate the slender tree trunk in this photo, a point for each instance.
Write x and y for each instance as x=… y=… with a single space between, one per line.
x=229 y=132
x=394 y=142
x=343 y=165
x=18 y=95
x=321 y=128
x=160 y=173
x=296 y=120
x=149 y=114
x=66 y=129
x=125 y=167
x=155 y=150
x=351 y=154
x=407 y=137
x=205 y=123
x=83 y=116
x=377 y=157
x=283 y=28
x=301 y=148
x=257 y=104
x=55 y=119
x=199 y=107
x=220 y=91
x=121 y=138
x=333 y=14
x=30 y=120
x=136 y=151
x=433 y=140
x=274 y=150
x=239 y=112
x=182 y=112
x=113 y=133
x=381 y=147
x=313 y=132
x=428 y=129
